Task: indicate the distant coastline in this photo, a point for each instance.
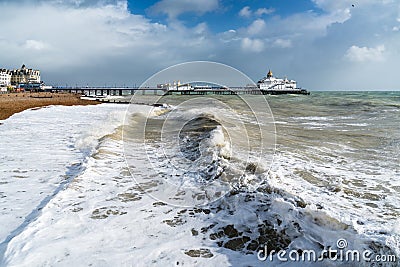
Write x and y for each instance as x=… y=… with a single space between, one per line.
x=16 y=102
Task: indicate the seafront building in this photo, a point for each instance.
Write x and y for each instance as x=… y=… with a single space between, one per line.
x=5 y=77
x=20 y=79
x=272 y=83
x=25 y=76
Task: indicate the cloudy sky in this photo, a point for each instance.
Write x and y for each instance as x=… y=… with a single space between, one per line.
x=323 y=44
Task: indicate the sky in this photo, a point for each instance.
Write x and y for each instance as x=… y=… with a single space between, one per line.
x=322 y=44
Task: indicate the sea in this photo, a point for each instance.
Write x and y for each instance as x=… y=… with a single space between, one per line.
x=275 y=180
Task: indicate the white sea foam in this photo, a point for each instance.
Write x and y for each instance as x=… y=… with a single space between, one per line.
x=218 y=140
x=103 y=218
x=337 y=199
x=42 y=149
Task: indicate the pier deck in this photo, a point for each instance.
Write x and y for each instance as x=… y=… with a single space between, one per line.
x=123 y=91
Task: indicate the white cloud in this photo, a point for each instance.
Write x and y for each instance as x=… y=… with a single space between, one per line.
x=174 y=8
x=245 y=12
x=228 y=36
x=76 y=3
x=35 y=45
x=282 y=43
x=336 y=11
x=96 y=43
x=298 y=27
x=252 y=45
x=264 y=11
x=333 y=6
x=363 y=54
x=258 y=26
x=201 y=29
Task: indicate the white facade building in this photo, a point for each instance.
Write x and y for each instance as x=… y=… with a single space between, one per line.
x=272 y=83
x=5 y=77
x=24 y=75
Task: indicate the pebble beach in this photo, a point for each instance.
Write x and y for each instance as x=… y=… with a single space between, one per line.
x=16 y=102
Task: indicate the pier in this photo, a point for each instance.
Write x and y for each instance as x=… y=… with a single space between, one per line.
x=124 y=91
x=104 y=91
